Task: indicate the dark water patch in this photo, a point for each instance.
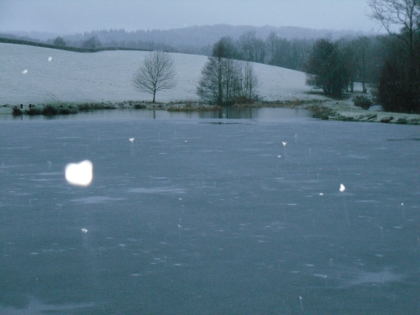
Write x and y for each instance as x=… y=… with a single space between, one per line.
x=403 y=139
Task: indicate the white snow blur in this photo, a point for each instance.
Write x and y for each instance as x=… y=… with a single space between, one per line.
x=79 y=174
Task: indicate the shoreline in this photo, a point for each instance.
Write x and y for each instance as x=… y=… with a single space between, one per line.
x=339 y=110
x=345 y=110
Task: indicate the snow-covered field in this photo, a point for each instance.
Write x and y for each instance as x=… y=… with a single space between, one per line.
x=38 y=75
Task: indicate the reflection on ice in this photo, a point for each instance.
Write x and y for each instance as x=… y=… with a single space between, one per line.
x=95 y=200
x=380 y=277
x=157 y=190
x=320 y=275
x=136 y=275
x=35 y=306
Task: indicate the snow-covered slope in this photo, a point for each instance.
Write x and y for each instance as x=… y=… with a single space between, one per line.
x=28 y=75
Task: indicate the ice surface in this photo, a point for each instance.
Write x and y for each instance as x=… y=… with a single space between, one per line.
x=95 y=200
x=233 y=233
x=381 y=277
x=157 y=190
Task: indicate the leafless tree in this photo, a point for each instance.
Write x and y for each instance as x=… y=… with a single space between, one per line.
x=250 y=82
x=225 y=81
x=156 y=74
x=404 y=14
x=400 y=76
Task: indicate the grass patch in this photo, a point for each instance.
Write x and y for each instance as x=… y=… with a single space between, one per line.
x=320 y=112
x=193 y=108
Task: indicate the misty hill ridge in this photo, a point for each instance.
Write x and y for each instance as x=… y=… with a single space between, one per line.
x=194 y=37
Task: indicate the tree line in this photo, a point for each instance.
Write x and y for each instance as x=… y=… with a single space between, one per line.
x=224 y=81
x=389 y=64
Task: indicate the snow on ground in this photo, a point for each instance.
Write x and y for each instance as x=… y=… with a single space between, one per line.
x=37 y=75
x=346 y=110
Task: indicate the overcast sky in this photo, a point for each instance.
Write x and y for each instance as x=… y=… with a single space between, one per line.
x=69 y=16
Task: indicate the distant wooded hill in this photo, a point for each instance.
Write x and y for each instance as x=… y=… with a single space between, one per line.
x=197 y=39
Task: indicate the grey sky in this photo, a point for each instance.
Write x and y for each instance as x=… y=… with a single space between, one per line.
x=68 y=16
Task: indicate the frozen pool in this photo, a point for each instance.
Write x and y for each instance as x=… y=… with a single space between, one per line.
x=200 y=215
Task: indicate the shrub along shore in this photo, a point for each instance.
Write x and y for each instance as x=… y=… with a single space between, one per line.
x=342 y=110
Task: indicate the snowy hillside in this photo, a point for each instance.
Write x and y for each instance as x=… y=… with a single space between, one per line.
x=36 y=75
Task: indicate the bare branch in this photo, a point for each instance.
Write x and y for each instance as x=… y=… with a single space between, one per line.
x=156 y=74
x=403 y=14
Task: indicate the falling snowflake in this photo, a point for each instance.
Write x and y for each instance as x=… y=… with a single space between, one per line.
x=342 y=188
x=84 y=230
x=25 y=71
x=131 y=140
x=79 y=174
x=50 y=59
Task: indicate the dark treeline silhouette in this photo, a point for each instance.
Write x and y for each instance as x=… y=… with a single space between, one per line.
x=108 y=39
x=337 y=66
x=198 y=39
x=225 y=81
x=391 y=63
x=399 y=83
x=392 y=72
x=273 y=50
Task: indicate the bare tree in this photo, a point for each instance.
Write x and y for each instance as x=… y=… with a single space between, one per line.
x=250 y=82
x=92 y=43
x=404 y=14
x=156 y=74
x=225 y=81
x=400 y=77
x=59 y=41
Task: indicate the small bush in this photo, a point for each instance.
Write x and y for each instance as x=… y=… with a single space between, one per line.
x=49 y=110
x=321 y=112
x=245 y=100
x=16 y=111
x=68 y=110
x=362 y=101
x=32 y=111
x=84 y=107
